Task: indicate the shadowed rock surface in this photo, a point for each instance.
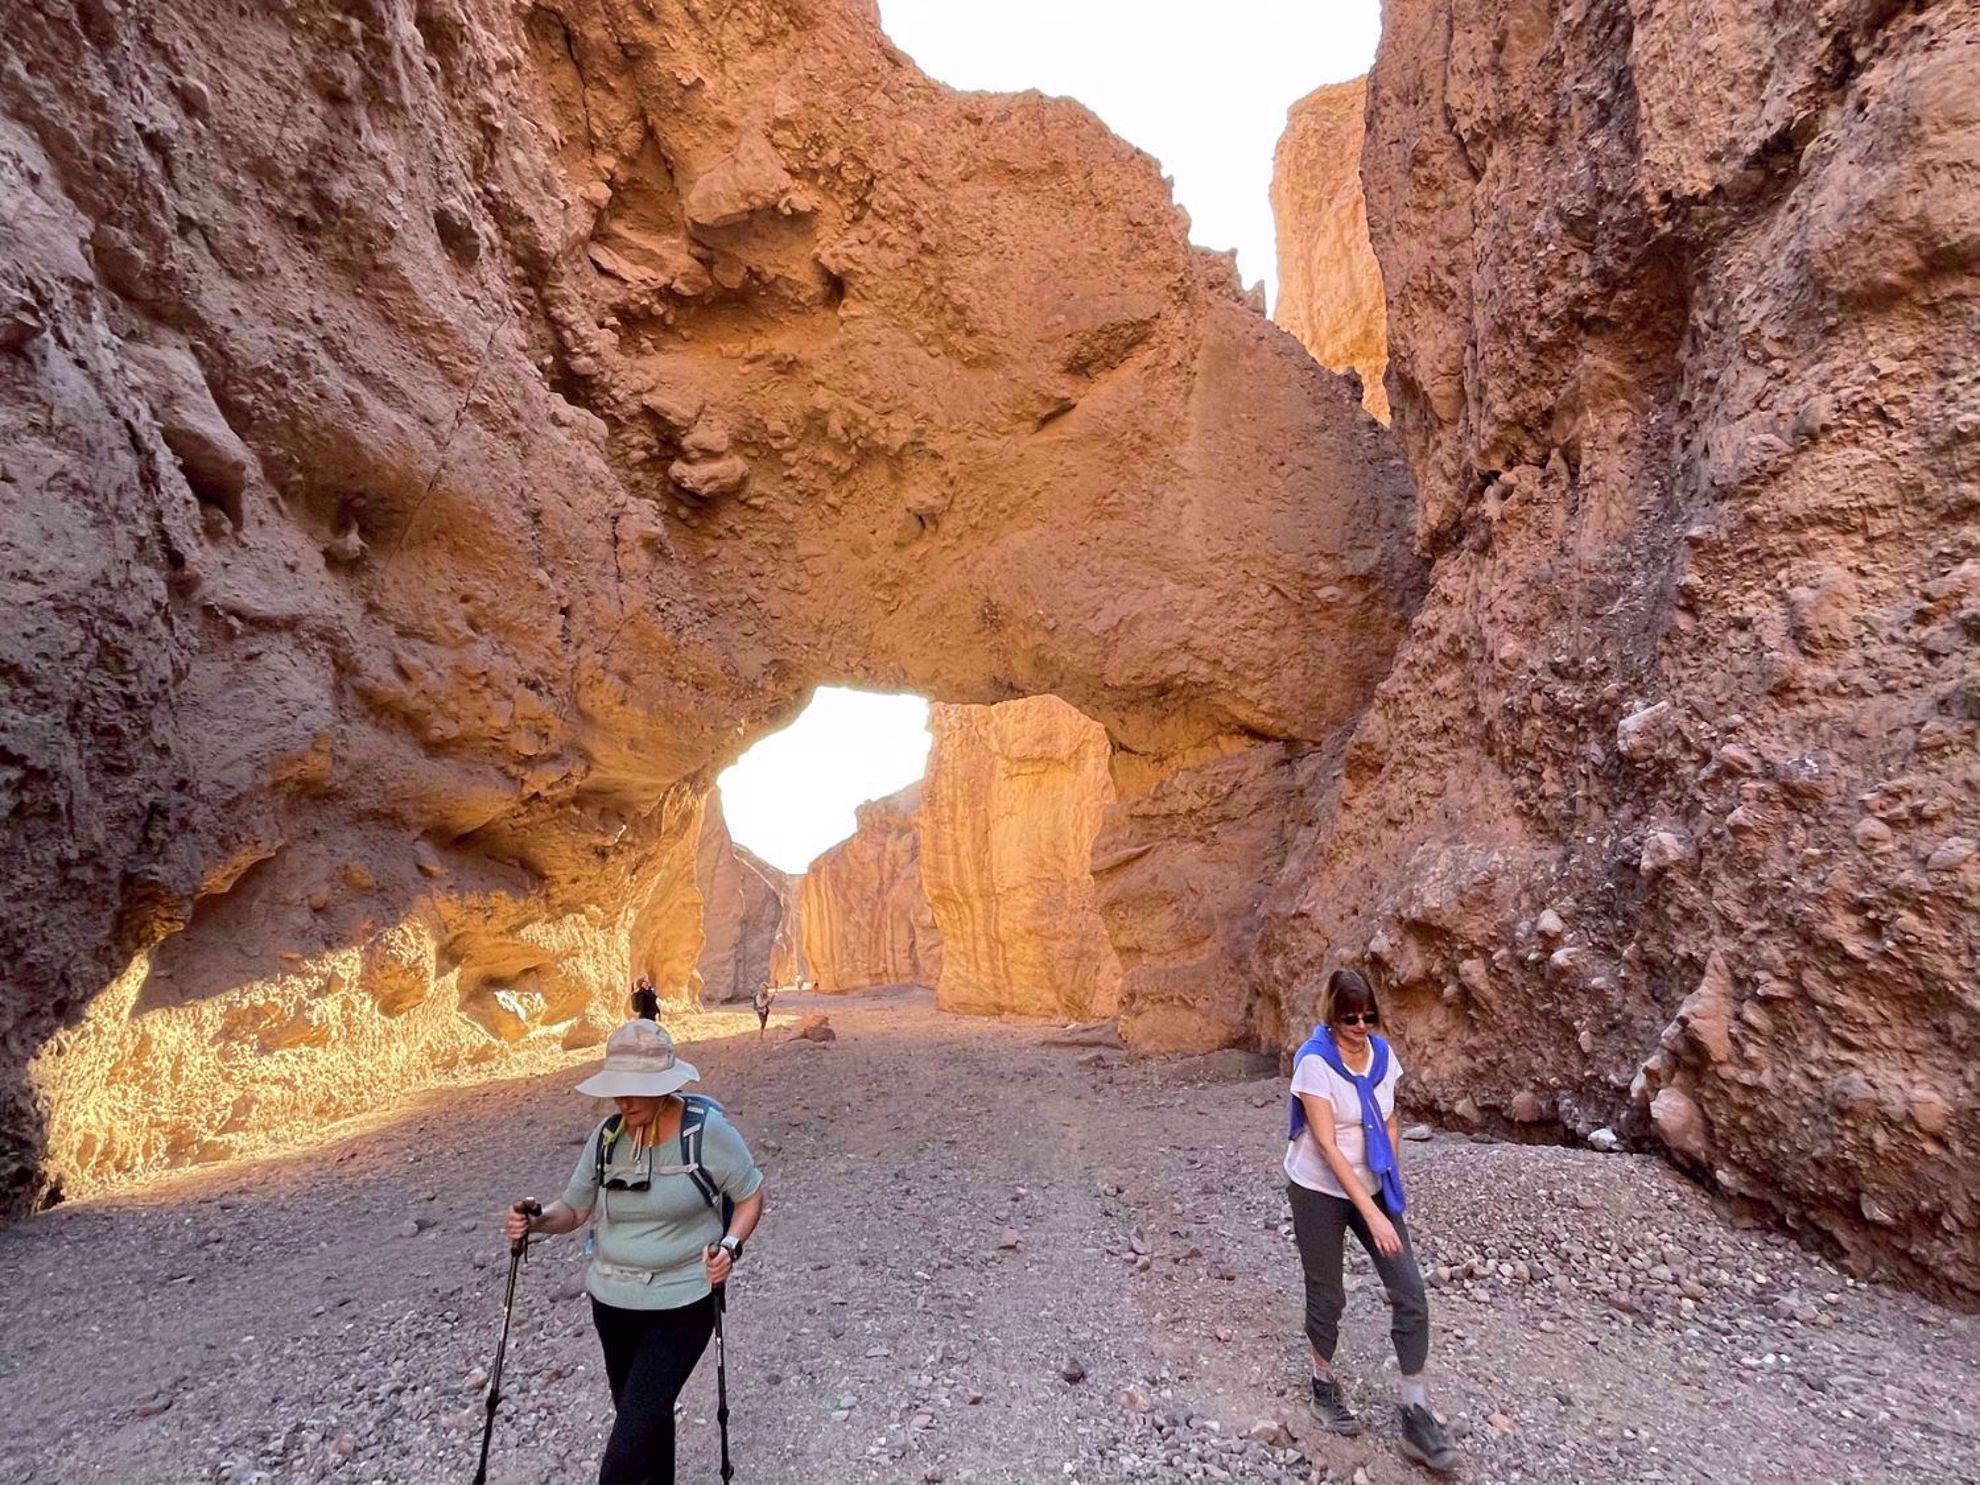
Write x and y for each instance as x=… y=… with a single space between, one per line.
x=437 y=437
x=748 y=908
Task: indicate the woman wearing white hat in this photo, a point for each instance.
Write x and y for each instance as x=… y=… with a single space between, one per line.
x=662 y=1174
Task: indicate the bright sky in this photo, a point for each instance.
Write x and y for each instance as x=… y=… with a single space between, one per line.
x=793 y=794
x=1203 y=88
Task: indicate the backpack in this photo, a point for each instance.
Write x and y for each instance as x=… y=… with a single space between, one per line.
x=694 y=1118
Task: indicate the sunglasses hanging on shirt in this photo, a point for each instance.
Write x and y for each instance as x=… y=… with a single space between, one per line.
x=643 y=1180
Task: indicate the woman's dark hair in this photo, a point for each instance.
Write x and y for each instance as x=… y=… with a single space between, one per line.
x=1347 y=990
x=645 y=1004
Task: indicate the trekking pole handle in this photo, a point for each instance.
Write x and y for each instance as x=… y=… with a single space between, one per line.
x=529 y=1208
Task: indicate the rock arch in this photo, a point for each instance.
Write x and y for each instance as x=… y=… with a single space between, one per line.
x=444 y=435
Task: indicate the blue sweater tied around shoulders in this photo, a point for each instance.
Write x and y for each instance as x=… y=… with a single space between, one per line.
x=1381 y=1154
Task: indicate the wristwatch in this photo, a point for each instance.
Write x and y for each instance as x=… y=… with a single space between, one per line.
x=733 y=1245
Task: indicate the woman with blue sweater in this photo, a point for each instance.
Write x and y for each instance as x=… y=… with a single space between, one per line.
x=1343 y=1173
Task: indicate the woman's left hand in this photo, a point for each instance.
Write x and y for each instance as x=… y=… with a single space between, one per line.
x=715 y=1258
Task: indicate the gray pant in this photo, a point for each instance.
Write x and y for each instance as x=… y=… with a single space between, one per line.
x=1320 y=1225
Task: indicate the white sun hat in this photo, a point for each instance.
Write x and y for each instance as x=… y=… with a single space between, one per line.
x=639 y=1063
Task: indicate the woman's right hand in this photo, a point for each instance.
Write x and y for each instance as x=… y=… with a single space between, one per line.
x=1384 y=1232
x=515 y=1225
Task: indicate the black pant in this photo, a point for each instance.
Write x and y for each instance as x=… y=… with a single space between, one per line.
x=1320 y=1226
x=648 y=1356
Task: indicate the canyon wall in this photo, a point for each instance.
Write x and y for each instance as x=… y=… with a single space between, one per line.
x=1330 y=286
x=1010 y=807
x=863 y=918
x=440 y=433
x=787 y=966
x=1665 y=817
x=748 y=908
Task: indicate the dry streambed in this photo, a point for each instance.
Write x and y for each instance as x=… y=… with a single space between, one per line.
x=987 y=1261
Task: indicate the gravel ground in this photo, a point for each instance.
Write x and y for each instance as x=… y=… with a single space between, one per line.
x=984 y=1260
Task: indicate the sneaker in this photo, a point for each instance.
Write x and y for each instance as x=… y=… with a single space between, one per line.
x=1424 y=1440
x=1329 y=1405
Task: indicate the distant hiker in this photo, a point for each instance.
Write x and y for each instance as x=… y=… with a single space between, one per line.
x=761 y=1002
x=645 y=1000
x=1344 y=1171
x=676 y=1194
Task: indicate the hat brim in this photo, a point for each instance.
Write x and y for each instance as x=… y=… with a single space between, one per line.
x=607 y=1084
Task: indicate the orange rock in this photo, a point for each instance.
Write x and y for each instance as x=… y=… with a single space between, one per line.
x=814 y=1026
x=862 y=915
x=1010 y=808
x=1330 y=286
x=1665 y=600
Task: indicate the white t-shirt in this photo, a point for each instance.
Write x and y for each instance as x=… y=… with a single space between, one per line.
x=1303 y=1161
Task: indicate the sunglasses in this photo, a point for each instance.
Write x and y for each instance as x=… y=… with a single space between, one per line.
x=628 y=1183
x=640 y=1180
x=1360 y=1018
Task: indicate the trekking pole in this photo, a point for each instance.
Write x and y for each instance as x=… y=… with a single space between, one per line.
x=722 y=1382
x=518 y=1250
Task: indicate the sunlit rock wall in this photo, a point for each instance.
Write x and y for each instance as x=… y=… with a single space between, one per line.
x=1330 y=286
x=1010 y=807
x=862 y=915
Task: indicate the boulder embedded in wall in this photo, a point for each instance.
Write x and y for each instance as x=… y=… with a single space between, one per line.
x=745 y=906
x=1681 y=1126
x=1011 y=803
x=862 y=915
x=1330 y=286
x=1677 y=344
x=1180 y=865
x=435 y=449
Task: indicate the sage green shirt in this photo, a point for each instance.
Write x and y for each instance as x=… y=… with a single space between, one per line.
x=648 y=1244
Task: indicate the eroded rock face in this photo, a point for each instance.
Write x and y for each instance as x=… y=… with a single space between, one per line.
x=862 y=915
x=439 y=436
x=1010 y=807
x=1664 y=816
x=747 y=907
x=787 y=948
x=1330 y=286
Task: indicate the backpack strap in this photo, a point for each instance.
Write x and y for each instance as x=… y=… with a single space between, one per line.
x=694 y=1120
x=602 y=1142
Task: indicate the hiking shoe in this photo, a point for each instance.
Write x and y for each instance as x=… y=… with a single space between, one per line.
x=1329 y=1405
x=1424 y=1440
